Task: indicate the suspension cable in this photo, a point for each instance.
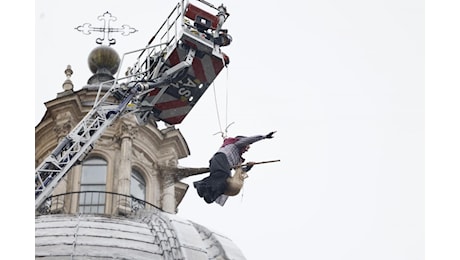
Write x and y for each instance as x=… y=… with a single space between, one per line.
x=226 y=102
x=222 y=132
x=217 y=109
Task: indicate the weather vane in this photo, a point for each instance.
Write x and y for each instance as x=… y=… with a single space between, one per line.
x=107 y=17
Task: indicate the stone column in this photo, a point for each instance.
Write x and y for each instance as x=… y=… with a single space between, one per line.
x=127 y=133
x=168 y=198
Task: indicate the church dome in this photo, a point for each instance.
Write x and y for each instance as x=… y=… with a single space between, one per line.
x=146 y=235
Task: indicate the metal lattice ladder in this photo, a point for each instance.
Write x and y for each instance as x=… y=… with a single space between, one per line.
x=74 y=147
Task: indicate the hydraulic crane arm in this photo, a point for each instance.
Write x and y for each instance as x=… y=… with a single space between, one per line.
x=170 y=75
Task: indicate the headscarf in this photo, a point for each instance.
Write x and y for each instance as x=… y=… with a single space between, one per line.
x=229 y=140
x=232 y=140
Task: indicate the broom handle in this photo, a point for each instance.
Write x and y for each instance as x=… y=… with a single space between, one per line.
x=182 y=173
x=258 y=163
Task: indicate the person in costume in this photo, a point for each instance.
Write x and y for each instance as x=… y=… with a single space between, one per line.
x=229 y=156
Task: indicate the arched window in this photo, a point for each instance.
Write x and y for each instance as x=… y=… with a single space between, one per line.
x=93 y=182
x=137 y=185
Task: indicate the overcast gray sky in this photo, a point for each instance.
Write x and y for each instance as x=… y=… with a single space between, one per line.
x=341 y=82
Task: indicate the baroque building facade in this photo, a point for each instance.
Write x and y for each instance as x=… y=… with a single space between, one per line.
x=122 y=201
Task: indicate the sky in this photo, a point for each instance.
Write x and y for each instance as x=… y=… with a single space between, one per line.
x=343 y=84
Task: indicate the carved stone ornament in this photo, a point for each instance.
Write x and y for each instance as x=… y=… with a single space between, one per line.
x=63 y=124
x=127 y=130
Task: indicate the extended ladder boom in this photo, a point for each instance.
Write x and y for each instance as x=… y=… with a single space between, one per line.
x=168 y=78
x=80 y=141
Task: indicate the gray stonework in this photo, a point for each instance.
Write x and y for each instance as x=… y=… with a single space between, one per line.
x=145 y=235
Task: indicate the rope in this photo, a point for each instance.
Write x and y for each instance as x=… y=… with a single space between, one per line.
x=217 y=108
x=226 y=102
x=222 y=132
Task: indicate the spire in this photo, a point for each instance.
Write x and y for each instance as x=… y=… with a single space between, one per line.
x=68 y=85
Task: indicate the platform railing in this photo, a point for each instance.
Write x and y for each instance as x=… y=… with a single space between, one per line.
x=93 y=202
x=149 y=60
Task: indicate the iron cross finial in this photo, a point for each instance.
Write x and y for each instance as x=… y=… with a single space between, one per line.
x=107 y=17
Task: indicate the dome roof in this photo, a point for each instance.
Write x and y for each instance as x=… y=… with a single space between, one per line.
x=144 y=235
x=103 y=57
x=103 y=61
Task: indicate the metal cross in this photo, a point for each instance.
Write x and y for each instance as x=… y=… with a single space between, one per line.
x=125 y=30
